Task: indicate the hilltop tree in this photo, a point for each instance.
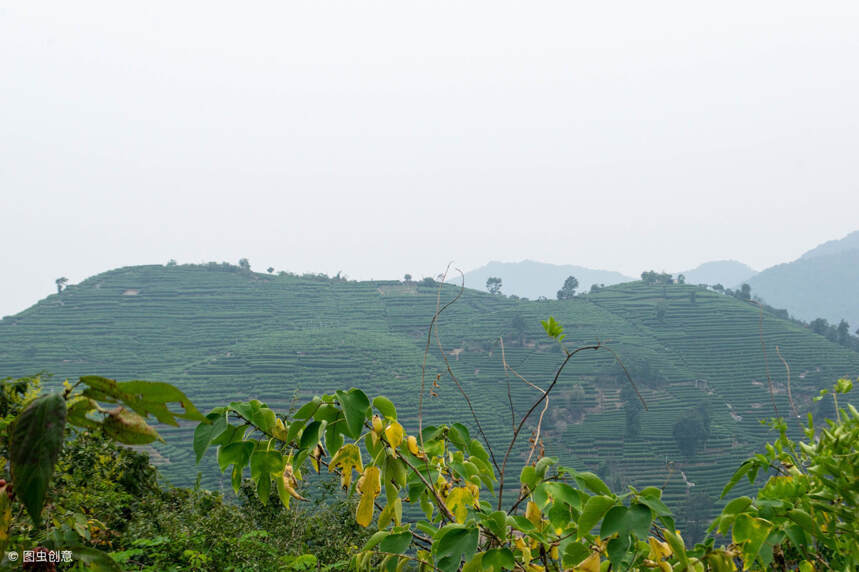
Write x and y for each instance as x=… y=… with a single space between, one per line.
x=843 y=333
x=681 y=279
x=745 y=292
x=244 y=264
x=60 y=282
x=569 y=288
x=407 y=278
x=270 y=269
x=652 y=278
x=493 y=284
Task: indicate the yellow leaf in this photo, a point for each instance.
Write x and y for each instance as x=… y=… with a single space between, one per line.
x=394 y=434
x=315 y=456
x=658 y=549
x=369 y=486
x=347 y=457
x=412 y=444
x=591 y=563
x=279 y=429
x=532 y=513
x=457 y=502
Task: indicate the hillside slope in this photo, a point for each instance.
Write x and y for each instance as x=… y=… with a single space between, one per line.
x=531 y=279
x=222 y=334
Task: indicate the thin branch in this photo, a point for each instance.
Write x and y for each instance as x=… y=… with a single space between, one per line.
x=766 y=362
x=542 y=413
x=438 y=310
x=465 y=395
x=528 y=414
x=507 y=379
x=789 y=395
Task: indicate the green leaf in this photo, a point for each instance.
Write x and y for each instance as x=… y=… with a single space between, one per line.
x=564 y=493
x=553 y=329
x=751 y=533
x=375 y=539
x=307 y=410
x=496 y=560
x=206 y=431
x=543 y=465
x=386 y=408
x=592 y=482
x=238 y=454
x=355 y=406
x=396 y=543
x=310 y=436
x=151 y=397
x=103 y=389
x=452 y=543
x=528 y=476
x=617 y=549
x=614 y=522
x=593 y=511
x=35 y=441
x=744 y=468
x=574 y=553
x=803 y=519
x=656 y=505
x=256 y=413
x=737 y=506
x=638 y=520
x=264 y=463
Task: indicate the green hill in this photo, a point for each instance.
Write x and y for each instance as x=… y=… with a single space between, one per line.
x=220 y=333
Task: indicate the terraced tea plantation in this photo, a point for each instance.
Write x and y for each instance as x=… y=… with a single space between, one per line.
x=222 y=334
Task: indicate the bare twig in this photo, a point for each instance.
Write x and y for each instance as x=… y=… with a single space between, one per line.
x=789 y=395
x=467 y=399
x=438 y=310
x=507 y=379
x=542 y=413
x=766 y=362
x=528 y=414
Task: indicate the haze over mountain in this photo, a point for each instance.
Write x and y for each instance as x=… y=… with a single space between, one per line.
x=724 y=272
x=532 y=279
x=822 y=283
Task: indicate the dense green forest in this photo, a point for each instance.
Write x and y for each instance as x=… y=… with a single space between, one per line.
x=703 y=361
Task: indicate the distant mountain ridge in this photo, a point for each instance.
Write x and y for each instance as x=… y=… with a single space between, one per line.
x=532 y=279
x=849 y=242
x=725 y=272
x=822 y=283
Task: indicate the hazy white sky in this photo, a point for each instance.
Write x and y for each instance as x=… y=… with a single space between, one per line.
x=379 y=138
